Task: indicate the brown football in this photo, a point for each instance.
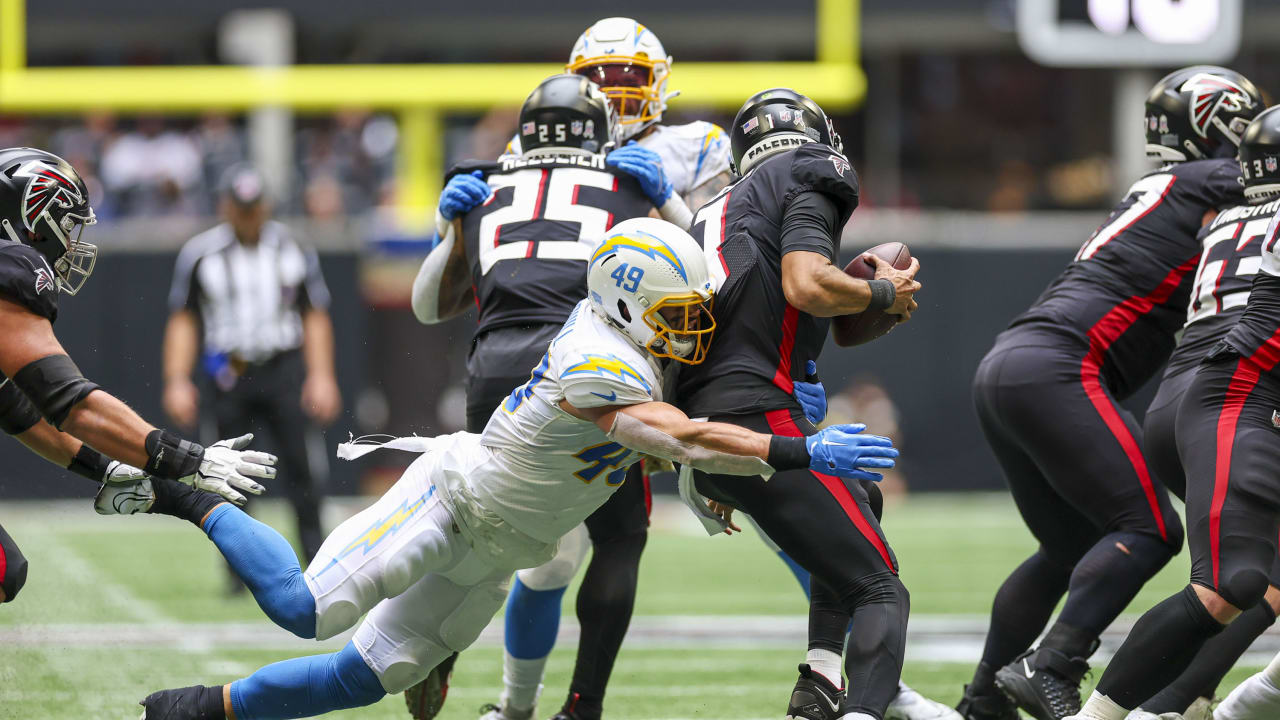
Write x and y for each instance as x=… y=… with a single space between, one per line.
x=868 y=325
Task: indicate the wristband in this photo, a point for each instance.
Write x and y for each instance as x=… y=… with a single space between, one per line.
x=169 y=456
x=787 y=453
x=90 y=463
x=882 y=294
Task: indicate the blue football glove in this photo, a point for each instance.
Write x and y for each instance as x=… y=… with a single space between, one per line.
x=842 y=450
x=463 y=193
x=811 y=395
x=646 y=167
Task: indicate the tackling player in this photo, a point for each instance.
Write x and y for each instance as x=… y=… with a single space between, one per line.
x=770 y=239
x=429 y=561
x=1105 y=525
x=45 y=402
x=1228 y=432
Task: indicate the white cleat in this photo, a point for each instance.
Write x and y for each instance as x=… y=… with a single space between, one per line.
x=911 y=705
x=1141 y=714
x=494 y=712
x=1201 y=709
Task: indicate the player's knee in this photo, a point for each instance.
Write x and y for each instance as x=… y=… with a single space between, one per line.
x=558 y=572
x=1243 y=587
x=463 y=626
x=884 y=588
x=1175 y=535
x=15 y=573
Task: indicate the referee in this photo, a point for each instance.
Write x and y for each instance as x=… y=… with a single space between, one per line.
x=261 y=304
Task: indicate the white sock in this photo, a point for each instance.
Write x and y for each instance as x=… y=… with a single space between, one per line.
x=857 y=716
x=1101 y=707
x=522 y=681
x=1257 y=698
x=1272 y=671
x=826 y=664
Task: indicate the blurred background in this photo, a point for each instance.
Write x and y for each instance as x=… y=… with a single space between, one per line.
x=991 y=152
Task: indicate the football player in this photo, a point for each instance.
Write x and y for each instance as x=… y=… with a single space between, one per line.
x=45 y=402
x=1228 y=436
x=770 y=239
x=430 y=560
x=1231 y=254
x=1104 y=523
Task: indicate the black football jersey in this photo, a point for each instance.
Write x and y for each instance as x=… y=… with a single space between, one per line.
x=1231 y=251
x=528 y=245
x=1257 y=334
x=1126 y=292
x=761 y=343
x=27 y=280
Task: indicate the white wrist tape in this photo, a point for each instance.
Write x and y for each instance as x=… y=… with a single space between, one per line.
x=676 y=212
x=426 y=287
x=638 y=436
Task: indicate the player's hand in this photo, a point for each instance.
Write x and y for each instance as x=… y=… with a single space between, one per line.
x=904 y=285
x=844 y=451
x=227 y=467
x=125 y=490
x=321 y=400
x=463 y=193
x=726 y=513
x=645 y=166
x=181 y=401
x=811 y=395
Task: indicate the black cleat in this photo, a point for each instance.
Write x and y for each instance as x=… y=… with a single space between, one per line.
x=575 y=709
x=1044 y=682
x=992 y=706
x=198 y=702
x=426 y=699
x=814 y=697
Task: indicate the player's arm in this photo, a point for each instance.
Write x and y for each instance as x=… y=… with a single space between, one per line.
x=443 y=289
x=812 y=284
x=645 y=166
x=703 y=194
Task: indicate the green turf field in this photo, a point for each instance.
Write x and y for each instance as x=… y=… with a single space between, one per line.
x=117 y=607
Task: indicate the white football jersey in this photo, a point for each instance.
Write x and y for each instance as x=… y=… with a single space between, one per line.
x=549 y=470
x=691 y=154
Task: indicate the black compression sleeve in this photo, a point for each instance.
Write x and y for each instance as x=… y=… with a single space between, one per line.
x=810 y=223
x=90 y=463
x=787 y=453
x=17 y=414
x=169 y=456
x=54 y=385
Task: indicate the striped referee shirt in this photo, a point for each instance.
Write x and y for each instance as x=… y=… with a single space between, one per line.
x=250 y=299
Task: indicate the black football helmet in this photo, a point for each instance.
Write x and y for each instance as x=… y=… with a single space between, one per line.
x=776 y=120
x=567 y=112
x=1260 y=157
x=44 y=203
x=1199 y=112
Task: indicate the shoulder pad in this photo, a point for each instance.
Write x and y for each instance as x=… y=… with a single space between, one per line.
x=818 y=167
x=595 y=379
x=27 y=279
x=468 y=166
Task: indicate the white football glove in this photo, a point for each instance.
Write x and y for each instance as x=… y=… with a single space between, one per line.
x=226 y=467
x=125 y=490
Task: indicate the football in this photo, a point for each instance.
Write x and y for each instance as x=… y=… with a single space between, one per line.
x=866 y=326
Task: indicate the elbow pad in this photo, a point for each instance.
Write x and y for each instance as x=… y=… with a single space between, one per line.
x=426 y=286
x=635 y=434
x=17 y=414
x=54 y=385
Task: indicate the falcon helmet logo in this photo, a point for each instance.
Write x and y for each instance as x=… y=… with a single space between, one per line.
x=47 y=186
x=1209 y=94
x=45 y=280
x=840 y=164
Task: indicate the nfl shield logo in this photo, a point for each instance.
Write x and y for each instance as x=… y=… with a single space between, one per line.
x=528 y=128
x=1270 y=162
x=784 y=115
x=589 y=129
x=1164 y=124
x=1275 y=419
x=576 y=127
x=1151 y=123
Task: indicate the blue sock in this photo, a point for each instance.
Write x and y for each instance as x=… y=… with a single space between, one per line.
x=801 y=574
x=533 y=619
x=306 y=686
x=268 y=566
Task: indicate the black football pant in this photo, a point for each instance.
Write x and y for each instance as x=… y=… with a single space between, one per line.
x=500 y=362
x=1073 y=460
x=826 y=524
x=268 y=396
x=13 y=567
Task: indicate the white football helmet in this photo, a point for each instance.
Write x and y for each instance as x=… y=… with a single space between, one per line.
x=627 y=61
x=649 y=279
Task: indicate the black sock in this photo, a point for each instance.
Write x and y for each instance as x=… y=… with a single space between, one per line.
x=1109 y=576
x=1213 y=662
x=182 y=501
x=605 y=601
x=1158 y=649
x=828 y=620
x=1070 y=641
x=1022 y=608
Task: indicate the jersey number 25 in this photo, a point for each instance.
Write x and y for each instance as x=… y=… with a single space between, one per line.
x=560 y=187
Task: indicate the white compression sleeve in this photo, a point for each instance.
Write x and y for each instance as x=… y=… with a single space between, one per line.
x=676 y=212
x=636 y=435
x=426 y=287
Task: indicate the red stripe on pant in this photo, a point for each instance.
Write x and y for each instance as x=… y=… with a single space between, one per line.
x=781 y=423
x=782 y=376
x=4 y=563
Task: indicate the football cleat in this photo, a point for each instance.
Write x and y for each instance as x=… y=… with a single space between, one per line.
x=495 y=712
x=1141 y=714
x=571 y=711
x=426 y=699
x=1200 y=709
x=125 y=499
x=814 y=697
x=189 y=703
x=911 y=705
x=993 y=706
x=1044 y=683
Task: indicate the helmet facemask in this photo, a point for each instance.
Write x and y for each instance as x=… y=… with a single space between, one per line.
x=632 y=83
x=682 y=327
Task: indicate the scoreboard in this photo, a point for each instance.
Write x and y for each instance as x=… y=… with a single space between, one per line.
x=1129 y=33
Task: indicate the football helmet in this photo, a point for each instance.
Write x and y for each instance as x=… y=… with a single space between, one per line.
x=567 y=114
x=627 y=61
x=1199 y=112
x=44 y=203
x=1260 y=157
x=649 y=279
x=774 y=121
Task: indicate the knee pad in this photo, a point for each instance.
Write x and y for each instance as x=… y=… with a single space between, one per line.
x=1243 y=587
x=558 y=572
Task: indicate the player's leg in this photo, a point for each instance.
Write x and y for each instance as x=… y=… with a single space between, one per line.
x=13 y=568
x=1159 y=433
x=1257 y=698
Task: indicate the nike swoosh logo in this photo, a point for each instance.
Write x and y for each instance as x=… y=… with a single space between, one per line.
x=610 y=397
x=1027 y=668
x=826 y=441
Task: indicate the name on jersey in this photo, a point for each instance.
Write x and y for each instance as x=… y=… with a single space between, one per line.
x=595 y=162
x=1245 y=212
x=788 y=141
